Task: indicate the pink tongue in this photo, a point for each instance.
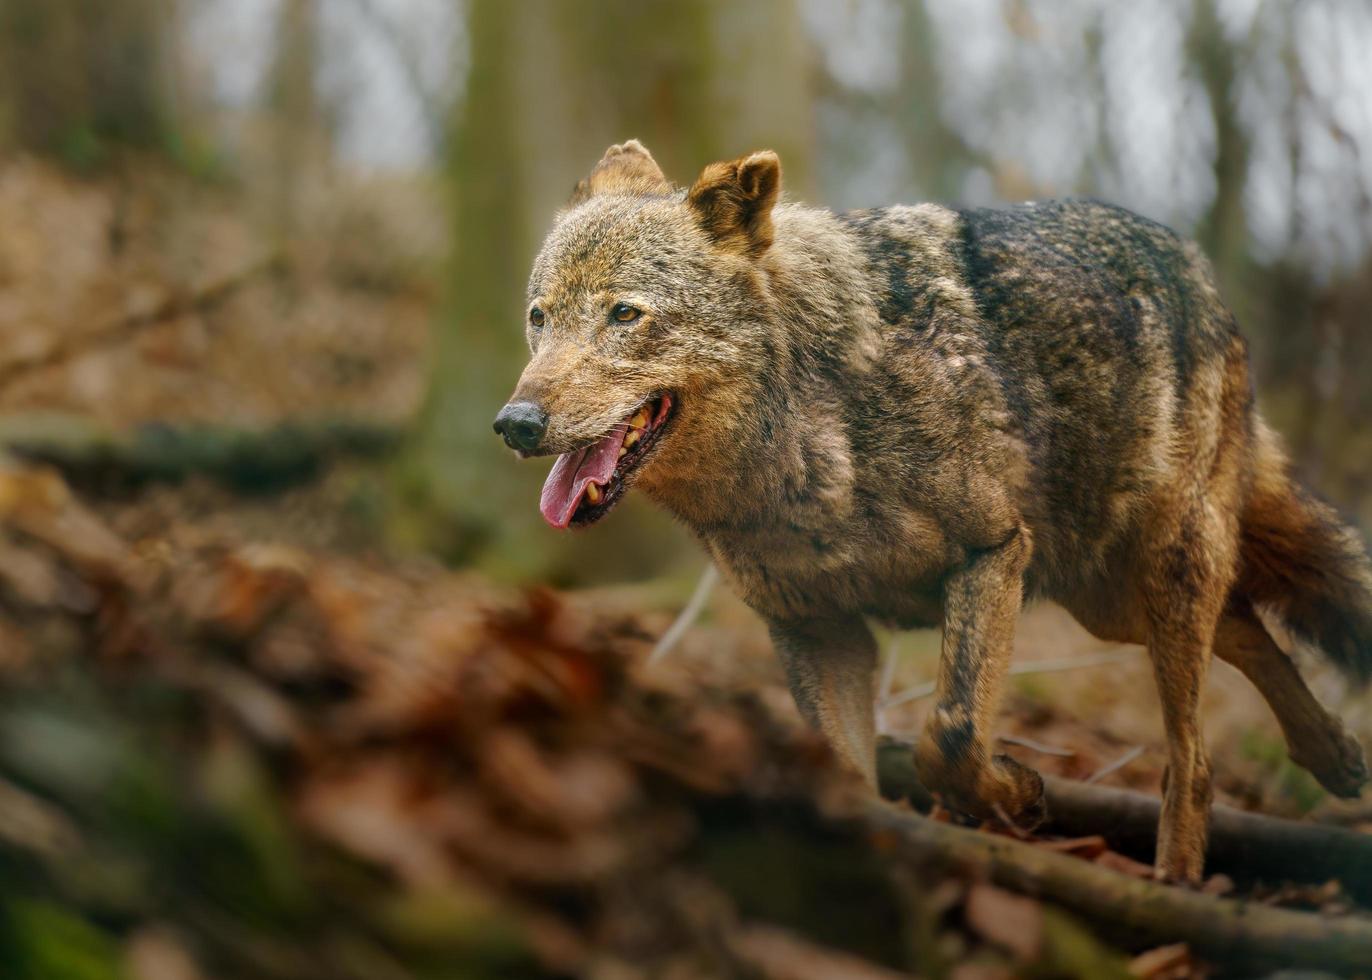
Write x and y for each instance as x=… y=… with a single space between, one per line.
x=575 y=471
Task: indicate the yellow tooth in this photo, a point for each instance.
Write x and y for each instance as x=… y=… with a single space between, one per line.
x=593 y=493
x=640 y=419
x=622 y=451
x=633 y=437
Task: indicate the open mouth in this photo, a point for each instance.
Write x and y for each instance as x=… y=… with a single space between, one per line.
x=586 y=483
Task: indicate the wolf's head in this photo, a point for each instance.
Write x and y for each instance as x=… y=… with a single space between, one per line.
x=643 y=313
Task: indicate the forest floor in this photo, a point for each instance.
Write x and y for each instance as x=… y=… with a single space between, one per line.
x=239 y=739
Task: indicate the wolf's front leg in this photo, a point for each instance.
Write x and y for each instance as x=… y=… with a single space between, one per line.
x=830 y=664
x=954 y=759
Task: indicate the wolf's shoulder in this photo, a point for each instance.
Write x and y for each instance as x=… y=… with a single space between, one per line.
x=915 y=260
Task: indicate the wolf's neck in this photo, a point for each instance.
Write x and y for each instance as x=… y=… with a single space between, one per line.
x=772 y=444
x=782 y=456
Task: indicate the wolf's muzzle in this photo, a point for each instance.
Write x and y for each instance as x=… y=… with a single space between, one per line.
x=522 y=425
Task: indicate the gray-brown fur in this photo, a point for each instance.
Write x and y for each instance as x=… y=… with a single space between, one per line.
x=926 y=416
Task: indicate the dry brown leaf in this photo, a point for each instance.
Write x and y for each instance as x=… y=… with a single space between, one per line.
x=726 y=740
x=1116 y=861
x=1218 y=884
x=16 y=651
x=1327 y=897
x=32 y=578
x=780 y=955
x=1006 y=919
x=155 y=953
x=980 y=970
x=1089 y=848
x=1163 y=963
x=261 y=710
x=368 y=809
x=36 y=501
x=466 y=825
x=245 y=587
x=576 y=791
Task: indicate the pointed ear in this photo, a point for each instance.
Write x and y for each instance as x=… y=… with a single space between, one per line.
x=626 y=168
x=734 y=200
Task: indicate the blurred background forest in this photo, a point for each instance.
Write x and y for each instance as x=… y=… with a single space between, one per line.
x=262 y=266
x=406 y=156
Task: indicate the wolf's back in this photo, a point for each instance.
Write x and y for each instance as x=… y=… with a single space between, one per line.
x=1121 y=367
x=1139 y=345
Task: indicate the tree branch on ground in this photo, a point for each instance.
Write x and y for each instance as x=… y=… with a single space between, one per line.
x=1247 y=846
x=1148 y=912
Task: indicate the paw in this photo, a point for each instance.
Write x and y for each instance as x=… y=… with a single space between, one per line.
x=1183 y=828
x=1183 y=875
x=1019 y=796
x=1335 y=759
x=1182 y=866
x=1001 y=789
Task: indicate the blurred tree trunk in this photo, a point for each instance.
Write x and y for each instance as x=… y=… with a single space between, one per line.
x=1223 y=229
x=445 y=506
x=550 y=85
x=296 y=117
x=79 y=78
x=939 y=157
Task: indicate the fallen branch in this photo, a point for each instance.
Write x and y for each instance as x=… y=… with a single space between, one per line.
x=247 y=460
x=119 y=328
x=1148 y=912
x=1247 y=846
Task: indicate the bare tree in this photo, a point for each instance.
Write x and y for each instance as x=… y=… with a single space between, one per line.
x=79 y=78
x=550 y=85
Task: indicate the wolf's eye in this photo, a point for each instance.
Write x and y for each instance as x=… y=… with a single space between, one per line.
x=536 y=317
x=624 y=313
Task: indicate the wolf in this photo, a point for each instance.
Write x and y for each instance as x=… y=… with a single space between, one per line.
x=926 y=417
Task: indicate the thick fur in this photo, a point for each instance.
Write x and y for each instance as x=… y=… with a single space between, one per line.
x=925 y=416
x=1306 y=565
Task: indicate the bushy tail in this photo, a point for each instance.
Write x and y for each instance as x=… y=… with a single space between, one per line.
x=1302 y=562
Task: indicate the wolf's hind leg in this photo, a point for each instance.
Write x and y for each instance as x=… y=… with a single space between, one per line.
x=830 y=665
x=1189 y=570
x=982 y=601
x=1315 y=738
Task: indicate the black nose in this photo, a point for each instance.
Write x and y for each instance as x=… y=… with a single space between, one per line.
x=522 y=425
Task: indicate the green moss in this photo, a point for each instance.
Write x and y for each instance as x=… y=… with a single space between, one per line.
x=1070 y=950
x=47 y=942
x=1293 y=784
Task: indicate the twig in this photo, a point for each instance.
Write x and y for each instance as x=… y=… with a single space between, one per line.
x=916 y=693
x=888 y=678
x=1039 y=747
x=683 y=622
x=119 y=327
x=1018 y=670
x=1117 y=765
